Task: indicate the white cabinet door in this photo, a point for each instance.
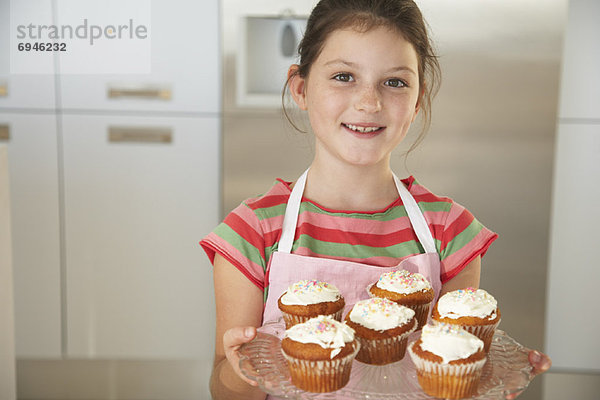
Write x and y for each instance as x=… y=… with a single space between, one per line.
x=18 y=90
x=33 y=168
x=185 y=62
x=140 y=192
x=580 y=81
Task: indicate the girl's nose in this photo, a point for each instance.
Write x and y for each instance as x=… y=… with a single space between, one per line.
x=368 y=100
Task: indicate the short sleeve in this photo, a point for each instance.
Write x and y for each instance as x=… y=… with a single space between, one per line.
x=239 y=239
x=463 y=239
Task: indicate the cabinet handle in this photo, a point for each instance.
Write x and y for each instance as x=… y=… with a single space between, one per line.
x=144 y=93
x=3 y=89
x=139 y=135
x=4 y=133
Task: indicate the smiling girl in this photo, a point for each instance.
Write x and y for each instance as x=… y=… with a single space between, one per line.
x=366 y=70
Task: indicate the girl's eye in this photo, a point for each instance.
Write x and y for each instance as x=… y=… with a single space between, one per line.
x=343 y=77
x=396 y=83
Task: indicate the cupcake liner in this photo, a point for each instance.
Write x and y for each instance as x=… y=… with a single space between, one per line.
x=292 y=319
x=448 y=381
x=483 y=332
x=421 y=310
x=421 y=313
x=323 y=375
x=383 y=351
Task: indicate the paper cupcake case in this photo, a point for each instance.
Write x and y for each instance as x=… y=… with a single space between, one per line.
x=383 y=351
x=446 y=380
x=292 y=319
x=421 y=313
x=323 y=375
x=506 y=371
x=421 y=310
x=483 y=332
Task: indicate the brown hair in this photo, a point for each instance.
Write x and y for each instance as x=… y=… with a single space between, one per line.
x=401 y=15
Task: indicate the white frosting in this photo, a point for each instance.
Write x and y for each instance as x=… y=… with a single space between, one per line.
x=403 y=282
x=451 y=342
x=380 y=314
x=324 y=331
x=467 y=303
x=310 y=292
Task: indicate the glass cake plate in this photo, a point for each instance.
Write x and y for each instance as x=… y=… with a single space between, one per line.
x=506 y=371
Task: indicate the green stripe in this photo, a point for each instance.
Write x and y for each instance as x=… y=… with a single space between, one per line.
x=462 y=239
x=388 y=215
x=270 y=212
x=435 y=206
x=350 y=251
x=242 y=245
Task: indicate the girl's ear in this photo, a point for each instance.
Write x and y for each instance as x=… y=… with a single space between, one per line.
x=297 y=85
x=418 y=105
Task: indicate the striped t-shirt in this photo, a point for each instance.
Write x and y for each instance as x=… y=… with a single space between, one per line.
x=250 y=233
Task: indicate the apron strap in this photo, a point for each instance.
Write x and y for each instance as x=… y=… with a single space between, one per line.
x=415 y=216
x=290 y=220
x=417 y=219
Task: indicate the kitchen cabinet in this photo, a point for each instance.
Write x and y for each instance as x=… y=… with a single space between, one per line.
x=19 y=90
x=34 y=179
x=183 y=77
x=579 y=94
x=28 y=127
x=139 y=194
x=115 y=178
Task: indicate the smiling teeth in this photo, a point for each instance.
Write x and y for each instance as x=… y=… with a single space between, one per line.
x=362 y=129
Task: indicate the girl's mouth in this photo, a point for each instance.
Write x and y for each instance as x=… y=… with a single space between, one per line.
x=363 y=129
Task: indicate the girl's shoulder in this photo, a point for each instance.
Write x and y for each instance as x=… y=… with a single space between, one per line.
x=270 y=203
x=423 y=195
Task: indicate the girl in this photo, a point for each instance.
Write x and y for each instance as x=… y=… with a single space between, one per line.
x=366 y=70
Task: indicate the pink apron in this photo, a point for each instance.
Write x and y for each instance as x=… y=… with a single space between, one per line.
x=351 y=278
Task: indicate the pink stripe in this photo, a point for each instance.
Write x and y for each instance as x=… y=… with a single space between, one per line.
x=417 y=189
x=458 y=258
x=455 y=212
x=248 y=215
x=231 y=253
x=353 y=225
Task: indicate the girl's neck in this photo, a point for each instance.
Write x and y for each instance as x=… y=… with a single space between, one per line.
x=351 y=188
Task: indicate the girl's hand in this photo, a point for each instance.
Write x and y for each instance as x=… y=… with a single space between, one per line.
x=540 y=363
x=233 y=339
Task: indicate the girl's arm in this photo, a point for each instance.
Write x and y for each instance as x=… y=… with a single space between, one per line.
x=239 y=305
x=468 y=277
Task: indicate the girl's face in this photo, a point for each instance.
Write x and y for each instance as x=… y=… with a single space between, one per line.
x=361 y=95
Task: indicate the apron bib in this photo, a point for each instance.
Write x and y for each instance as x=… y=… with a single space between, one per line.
x=351 y=278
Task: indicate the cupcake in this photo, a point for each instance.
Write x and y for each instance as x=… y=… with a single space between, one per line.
x=473 y=309
x=319 y=353
x=449 y=361
x=408 y=289
x=307 y=299
x=382 y=328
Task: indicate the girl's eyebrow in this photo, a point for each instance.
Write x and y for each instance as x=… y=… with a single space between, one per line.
x=343 y=62
x=402 y=68
x=354 y=65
